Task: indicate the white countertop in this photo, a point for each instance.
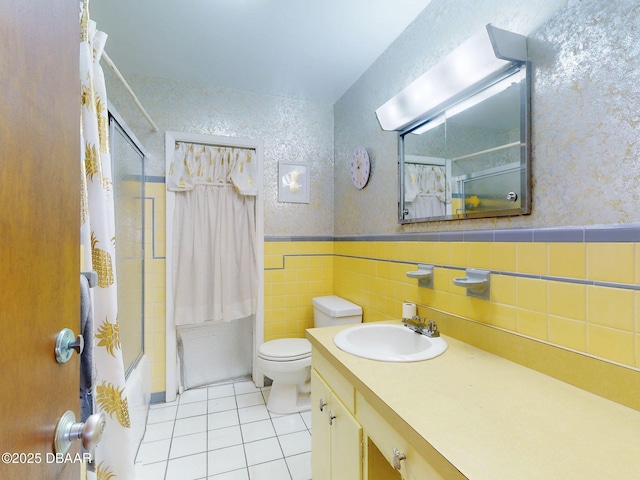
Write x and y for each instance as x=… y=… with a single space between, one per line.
x=494 y=419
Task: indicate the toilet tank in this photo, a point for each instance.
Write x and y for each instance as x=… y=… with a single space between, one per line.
x=334 y=310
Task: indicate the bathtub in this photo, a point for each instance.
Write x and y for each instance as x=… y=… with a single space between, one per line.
x=213 y=352
x=138 y=391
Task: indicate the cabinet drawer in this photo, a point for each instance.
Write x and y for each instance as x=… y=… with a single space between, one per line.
x=386 y=438
x=340 y=386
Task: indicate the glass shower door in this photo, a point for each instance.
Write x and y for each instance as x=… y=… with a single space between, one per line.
x=128 y=189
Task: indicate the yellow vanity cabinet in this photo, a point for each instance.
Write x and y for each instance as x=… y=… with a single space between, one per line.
x=449 y=418
x=351 y=440
x=409 y=463
x=336 y=440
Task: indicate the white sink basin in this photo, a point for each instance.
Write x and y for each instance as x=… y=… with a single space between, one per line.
x=388 y=343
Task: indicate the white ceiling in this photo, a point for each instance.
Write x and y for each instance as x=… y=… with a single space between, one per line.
x=308 y=49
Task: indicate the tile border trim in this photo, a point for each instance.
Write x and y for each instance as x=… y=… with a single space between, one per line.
x=589 y=234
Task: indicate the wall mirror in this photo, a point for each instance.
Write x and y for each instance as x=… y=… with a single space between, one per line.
x=464 y=134
x=472 y=159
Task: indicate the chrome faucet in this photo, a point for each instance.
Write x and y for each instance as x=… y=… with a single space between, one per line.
x=432 y=329
x=421 y=326
x=415 y=323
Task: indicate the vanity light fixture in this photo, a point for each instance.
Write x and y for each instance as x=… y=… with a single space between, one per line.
x=435 y=122
x=468 y=103
x=487 y=54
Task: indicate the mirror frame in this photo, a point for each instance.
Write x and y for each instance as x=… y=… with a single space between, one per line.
x=524 y=70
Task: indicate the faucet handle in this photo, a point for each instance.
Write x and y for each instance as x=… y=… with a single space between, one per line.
x=432 y=329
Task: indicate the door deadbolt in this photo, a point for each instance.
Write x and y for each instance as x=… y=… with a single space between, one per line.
x=67 y=431
x=66 y=343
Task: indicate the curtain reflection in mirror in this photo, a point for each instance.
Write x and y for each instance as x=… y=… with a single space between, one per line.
x=425 y=190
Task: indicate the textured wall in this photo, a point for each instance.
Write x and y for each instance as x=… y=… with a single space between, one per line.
x=585 y=167
x=585 y=120
x=292 y=130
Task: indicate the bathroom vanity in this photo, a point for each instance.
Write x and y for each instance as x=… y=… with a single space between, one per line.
x=464 y=414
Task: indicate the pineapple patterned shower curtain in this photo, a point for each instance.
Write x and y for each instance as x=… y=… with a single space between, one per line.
x=113 y=457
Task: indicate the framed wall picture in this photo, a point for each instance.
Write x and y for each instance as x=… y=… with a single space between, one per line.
x=293 y=182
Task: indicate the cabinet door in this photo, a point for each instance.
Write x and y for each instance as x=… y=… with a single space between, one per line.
x=336 y=441
x=321 y=433
x=346 y=443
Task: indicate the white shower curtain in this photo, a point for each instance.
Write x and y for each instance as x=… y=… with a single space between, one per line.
x=425 y=190
x=214 y=233
x=114 y=455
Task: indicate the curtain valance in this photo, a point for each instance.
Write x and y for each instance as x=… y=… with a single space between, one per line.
x=424 y=180
x=194 y=164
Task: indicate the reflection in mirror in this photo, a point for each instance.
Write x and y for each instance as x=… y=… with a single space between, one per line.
x=471 y=160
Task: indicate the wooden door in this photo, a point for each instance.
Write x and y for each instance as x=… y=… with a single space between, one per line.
x=39 y=232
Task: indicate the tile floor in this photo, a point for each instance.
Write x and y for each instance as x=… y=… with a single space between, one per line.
x=224 y=432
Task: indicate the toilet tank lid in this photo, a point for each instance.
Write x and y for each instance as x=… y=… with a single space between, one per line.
x=336 y=306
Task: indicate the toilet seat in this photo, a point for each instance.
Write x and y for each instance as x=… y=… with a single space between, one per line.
x=285 y=349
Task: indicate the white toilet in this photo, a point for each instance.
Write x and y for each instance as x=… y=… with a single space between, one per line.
x=287 y=361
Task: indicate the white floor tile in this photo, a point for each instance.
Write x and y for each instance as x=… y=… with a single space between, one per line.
x=257 y=431
x=153 y=452
x=192 y=467
x=249 y=399
x=224 y=437
x=306 y=417
x=270 y=471
x=151 y=471
x=221 y=404
x=300 y=466
x=262 y=451
x=265 y=393
x=188 y=445
x=200 y=436
x=158 y=431
x=222 y=419
x=245 y=387
x=189 y=425
x=288 y=424
x=226 y=460
x=158 y=415
x=192 y=409
x=295 y=443
x=164 y=404
x=242 y=474
x=221 y=391
x=253 y=414
x=195 y=395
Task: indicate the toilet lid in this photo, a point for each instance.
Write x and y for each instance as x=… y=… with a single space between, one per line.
x=285 y=349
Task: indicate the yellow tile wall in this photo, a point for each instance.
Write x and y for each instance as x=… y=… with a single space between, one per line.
x=154 y=283
x=544 y=291
x=563 y=308
x=294 y=273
